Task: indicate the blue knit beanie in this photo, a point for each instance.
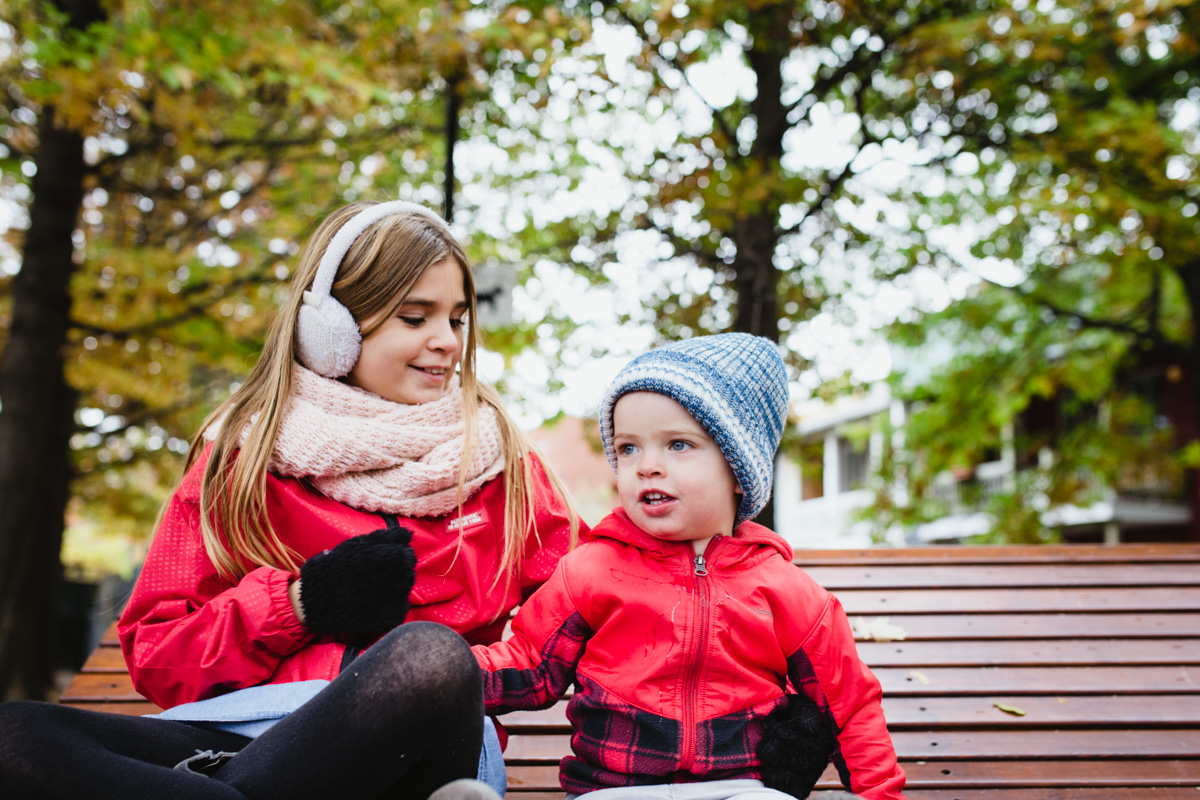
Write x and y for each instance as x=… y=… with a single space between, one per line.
x=734 y=384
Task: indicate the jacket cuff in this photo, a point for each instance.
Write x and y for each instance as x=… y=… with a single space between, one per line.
x=282 y=631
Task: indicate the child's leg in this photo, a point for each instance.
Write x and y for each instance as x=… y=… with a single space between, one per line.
x=403 y=719
x=50 y=751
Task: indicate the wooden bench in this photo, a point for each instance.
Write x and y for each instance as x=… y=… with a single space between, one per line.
x=1057 y=673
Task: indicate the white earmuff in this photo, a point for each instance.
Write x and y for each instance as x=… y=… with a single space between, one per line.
x=327 y=338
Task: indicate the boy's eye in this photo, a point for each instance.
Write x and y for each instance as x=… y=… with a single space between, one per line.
x=678 y=445
x=626 y=449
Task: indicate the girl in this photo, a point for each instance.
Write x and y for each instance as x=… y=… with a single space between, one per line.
x=360 y=445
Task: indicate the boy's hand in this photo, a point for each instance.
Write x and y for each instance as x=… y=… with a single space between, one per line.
x=360 y=587
x=796 y=746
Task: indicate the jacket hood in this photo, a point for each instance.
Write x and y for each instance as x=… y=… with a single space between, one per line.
x=748 y=540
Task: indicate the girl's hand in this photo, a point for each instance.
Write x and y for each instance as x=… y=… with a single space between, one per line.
x=360 y=587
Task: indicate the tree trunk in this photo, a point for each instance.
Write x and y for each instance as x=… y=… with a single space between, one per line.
x=1190 y=276
x=36 y=420
x=756 y=231
x=454 y=90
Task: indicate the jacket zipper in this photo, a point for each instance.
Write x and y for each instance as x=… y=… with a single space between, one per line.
x=691 y=687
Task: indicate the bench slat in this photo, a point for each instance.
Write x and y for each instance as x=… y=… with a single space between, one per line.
x=1040 y=626
x=1026 y=600
x=975 y=774
x=1087 y=711
x=949 y=576
x=1063 y=793
x=1034 y=744
x=1081 y=772
x=1063 y=681
x=1108 y=793
x=1037 y=743
x=1031 y=653
x=1004 y=554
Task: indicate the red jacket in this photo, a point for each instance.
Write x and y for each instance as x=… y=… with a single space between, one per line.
x=675 y=670
x=189 y=634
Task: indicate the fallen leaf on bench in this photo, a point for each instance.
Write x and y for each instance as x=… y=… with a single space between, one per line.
x=877 y=629
x=1061 y=700
x=1007 y=709
x=920 y=676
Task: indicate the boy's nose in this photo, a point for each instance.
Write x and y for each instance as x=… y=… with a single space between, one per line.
x=650 y=463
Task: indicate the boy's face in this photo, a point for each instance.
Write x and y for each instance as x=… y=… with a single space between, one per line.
x=673 y=480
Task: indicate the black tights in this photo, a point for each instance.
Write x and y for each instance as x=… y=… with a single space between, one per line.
x=400 y=721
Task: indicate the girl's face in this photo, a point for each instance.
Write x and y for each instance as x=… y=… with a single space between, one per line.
x=411 y=357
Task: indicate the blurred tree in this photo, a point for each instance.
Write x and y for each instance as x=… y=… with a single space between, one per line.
x=165 y=162
x=764 y=180
x=1073 y=174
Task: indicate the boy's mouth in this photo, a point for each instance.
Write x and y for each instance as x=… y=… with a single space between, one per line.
x=653 y=498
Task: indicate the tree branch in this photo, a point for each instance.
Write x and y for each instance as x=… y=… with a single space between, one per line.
x=674 y=63
x=257 y=277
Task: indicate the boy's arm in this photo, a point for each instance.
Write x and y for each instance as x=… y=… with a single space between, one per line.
x=827 y=668
x=536 y=665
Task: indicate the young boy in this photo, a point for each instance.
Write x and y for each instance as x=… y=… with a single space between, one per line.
x=684 y=625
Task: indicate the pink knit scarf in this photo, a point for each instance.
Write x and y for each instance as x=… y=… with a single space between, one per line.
x=376 y=455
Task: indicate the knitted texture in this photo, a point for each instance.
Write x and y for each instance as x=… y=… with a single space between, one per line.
x=734 y=384
x=797 y=744
x=360 y=587
x=376 y=455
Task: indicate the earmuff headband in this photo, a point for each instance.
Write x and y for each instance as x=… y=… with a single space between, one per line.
x=327 y=337
x=348 y=234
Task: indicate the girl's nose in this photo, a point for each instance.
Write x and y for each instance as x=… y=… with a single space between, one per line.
x=444 y=336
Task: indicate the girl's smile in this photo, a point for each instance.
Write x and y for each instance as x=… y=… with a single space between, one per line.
x=411 y=357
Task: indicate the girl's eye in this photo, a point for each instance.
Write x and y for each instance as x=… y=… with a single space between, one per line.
x=413 y=322
x=458 y=323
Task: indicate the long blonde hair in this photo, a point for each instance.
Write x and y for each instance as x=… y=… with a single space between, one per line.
x=376 y=275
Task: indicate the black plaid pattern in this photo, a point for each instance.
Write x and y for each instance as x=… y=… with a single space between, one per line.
x=804 y=678
x=617 y=744
x=542 y=686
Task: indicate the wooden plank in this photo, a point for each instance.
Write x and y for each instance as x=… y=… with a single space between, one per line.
x=1081 y=772
x=1050 y=774
x=930 y=713
x=978 y=576
x=1061 y=681
x=967 y=745
x=1041 y=626
x=96 y=686
x=105 y=659
x=1010 y=793
x=1064 y=793
x=1000 y=554
x=1040 y=743
x=1025 y=600
x=1036 y=652
x=1087 y=711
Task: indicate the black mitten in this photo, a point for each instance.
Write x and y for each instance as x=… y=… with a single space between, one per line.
x=796 y=746
x=361 y=586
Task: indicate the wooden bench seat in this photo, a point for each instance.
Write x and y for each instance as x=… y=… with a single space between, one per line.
x=1013 y=673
